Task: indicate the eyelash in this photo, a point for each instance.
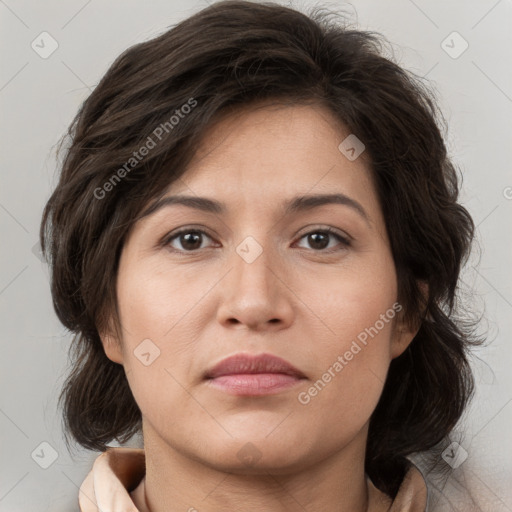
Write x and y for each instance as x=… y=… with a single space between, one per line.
x=345 y=241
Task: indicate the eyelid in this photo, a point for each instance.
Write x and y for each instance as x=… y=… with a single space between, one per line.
x=328 y=229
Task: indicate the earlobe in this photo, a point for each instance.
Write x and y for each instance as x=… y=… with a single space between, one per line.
x=112 y=347
x=402 y=339
x=404 y=333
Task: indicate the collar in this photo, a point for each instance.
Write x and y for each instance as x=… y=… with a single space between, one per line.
x=118 y=471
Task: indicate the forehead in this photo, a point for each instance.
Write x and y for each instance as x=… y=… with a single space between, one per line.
x=270 y=163
x=272 y=151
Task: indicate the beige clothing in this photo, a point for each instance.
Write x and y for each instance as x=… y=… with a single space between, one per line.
x=118 y=471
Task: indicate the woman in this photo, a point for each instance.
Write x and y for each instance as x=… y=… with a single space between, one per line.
x=257 y=240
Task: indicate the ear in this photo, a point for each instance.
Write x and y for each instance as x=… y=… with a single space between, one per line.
x=402 y=338
x=403 y=332
x=111 y=344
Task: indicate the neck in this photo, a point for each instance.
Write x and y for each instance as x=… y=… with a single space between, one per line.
x=175 y=481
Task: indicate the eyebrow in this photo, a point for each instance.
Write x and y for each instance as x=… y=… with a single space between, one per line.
x=294 y=205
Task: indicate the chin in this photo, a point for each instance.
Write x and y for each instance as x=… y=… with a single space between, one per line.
x=256 y=454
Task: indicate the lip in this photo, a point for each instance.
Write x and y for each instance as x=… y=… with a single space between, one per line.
x=251 y=375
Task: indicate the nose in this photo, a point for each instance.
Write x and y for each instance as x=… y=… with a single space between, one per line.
x=256 y=293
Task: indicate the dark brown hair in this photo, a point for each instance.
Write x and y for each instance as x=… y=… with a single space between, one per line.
x=230 y=55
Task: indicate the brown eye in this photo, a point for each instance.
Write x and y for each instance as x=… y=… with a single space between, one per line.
x=319 y=239
x=190 y=240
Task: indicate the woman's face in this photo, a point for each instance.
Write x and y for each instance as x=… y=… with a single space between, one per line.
x=256 y=277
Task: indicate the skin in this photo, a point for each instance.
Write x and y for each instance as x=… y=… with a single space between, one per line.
x=295 y=300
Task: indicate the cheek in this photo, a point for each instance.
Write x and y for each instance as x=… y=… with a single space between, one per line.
x=156 y=299
x=145 y=300
x=353 y=354
x=350 y=375
x=156 y=307
x=353 y=301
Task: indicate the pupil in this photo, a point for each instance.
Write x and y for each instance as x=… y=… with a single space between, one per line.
x=187 y=237
x=314 y=239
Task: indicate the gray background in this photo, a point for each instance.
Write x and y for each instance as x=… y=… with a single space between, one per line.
x=38 y=98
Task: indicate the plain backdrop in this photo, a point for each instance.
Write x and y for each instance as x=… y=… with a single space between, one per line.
x=463 y=47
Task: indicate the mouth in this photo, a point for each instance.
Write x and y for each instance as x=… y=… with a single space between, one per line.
x=245 y=374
